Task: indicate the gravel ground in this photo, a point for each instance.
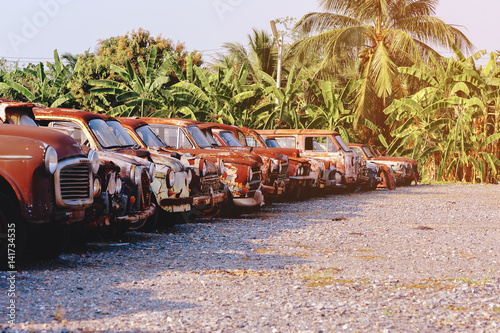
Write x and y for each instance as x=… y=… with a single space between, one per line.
x=417 y=259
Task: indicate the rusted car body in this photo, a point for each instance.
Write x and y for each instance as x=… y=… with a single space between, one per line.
x=385 y=176
x=319 y=174
x=207 y=190
x=275 y=164
x=326 y=145
x=133 y=203
x=46 y=179
x=405 y=168
x=242 y=171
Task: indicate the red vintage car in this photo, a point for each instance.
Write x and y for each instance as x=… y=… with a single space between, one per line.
x=206 y=188
x=242 y=171
x=46 y=184
x=326 y=145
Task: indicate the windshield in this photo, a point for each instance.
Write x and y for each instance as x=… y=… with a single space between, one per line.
x=358 y=151
x=19 y=118
x=198 y=136
x=272 y=143
x=149 y=137
x=368 y=152
x=103 y=134
x=230 y=139
x=342 y=143
x=121 y=133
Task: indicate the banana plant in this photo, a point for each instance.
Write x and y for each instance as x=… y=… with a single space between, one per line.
x=39 y=85
x=288 y=101
x=330 y=111
x=447 y=125
x=140 y=94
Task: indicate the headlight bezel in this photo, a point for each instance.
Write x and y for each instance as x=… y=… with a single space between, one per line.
x=51 y=160
x=170 y=178
x=94 y=161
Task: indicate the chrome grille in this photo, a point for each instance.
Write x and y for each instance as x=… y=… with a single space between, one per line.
x=284 y=171
x=74 y=183
x=145 y=188
x=212 y=181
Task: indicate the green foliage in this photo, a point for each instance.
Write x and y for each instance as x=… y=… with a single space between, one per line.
x=451 y=125
x=39 y=85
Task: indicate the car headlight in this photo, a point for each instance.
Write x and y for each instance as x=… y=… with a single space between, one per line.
x=203 y=168
x=249 y=174
x=222 y=167
x=170 y=178
x=50 y=160
x=96 y=187
x=135 y=175
x=152 y=171
x=94 y=160
x=118 y=184
x=275 y=165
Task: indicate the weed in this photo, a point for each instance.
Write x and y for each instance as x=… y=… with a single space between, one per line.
x=388 y=312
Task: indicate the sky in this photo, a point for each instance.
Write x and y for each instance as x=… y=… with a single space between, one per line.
x=32 y=29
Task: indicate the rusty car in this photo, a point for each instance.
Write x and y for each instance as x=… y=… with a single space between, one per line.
x=307 y=175
x=326 y=145
x=207 y=192
x=242 y=171
x=133 y=204
x=275 y=166
x=405 y=168
x=46 y=184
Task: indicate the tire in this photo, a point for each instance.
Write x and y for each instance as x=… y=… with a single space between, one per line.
x=11 y=220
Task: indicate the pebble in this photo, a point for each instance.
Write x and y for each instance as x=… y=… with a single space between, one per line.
x=418 y=259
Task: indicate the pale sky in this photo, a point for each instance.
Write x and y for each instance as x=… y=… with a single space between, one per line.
x=32 y=29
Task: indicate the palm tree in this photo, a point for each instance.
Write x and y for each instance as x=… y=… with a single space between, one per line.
x=379 y=36
x=261 y=56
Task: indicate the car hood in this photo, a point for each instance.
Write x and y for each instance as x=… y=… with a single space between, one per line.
x=64 y=145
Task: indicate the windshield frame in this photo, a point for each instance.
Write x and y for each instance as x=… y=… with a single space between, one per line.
x=199 y=137
x=123 y=136
x=230 y=139
x=103 y=134
x=147 y=132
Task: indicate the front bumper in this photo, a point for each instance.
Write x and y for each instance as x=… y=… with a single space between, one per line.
x=253 y=199
x=277 y=189
x=137 y=217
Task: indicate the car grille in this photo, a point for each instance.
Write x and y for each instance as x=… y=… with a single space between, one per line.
x=212 y=181
x=145 y=188
x=74 y=184
x=284 y=171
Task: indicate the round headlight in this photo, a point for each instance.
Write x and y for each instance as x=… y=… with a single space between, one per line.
x=249 y=174
x=94 y=160
x=50 y=160
x=170 y=178
x=118 y=184
x=203 y=168
x=189 y=176
x=97 y=187
x=152 y=171
x=222 y=167
x=135 y=175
